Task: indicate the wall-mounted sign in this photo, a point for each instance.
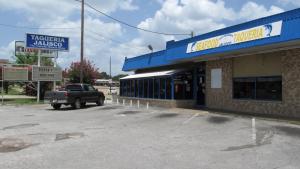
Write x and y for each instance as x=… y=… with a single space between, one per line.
x=255 y=33
x=20 y=49
x=216 y=78
x=47 y=42
x=45 y=73
x=15 y=74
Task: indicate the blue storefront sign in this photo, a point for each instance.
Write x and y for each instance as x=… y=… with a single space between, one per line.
x=47 y=42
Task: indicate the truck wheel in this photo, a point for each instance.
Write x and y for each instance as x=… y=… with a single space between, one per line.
x=77 y=104
x=100 y=101
x=56 y=106
x=83 y=104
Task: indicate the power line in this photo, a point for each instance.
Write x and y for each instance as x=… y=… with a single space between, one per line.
x=27 y=27
x=114 y=41
x=129 y=25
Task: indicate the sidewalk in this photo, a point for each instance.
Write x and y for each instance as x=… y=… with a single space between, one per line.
x=17 y=97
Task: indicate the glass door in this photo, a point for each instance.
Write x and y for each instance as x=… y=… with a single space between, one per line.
x=201 y=85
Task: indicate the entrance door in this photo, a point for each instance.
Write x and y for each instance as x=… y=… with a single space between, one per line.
x=201 y=85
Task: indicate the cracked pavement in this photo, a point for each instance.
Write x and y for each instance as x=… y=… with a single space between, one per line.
x=115 y=136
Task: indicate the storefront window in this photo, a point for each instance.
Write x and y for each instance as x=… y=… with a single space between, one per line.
x=145 y=88
x=162 y=89
x=168 y=88
x=156 y=88
x=259 y=88
x=141 y=88
x=132 y=88
x=136 y=88
x=244 y=88
x=269 y=88
x=183 y=84
x=150 y=88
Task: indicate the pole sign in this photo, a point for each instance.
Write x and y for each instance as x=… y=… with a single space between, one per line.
x=46 y=73
x=47 y=42
x=20 y=49
x=255 y=33
x=15 y=73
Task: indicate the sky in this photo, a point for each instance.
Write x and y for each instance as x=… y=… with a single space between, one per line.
x=105 y=38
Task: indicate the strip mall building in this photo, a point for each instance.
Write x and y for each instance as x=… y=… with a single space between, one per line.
x=252 y=67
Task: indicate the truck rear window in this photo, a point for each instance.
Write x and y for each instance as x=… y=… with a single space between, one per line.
x=73 y=88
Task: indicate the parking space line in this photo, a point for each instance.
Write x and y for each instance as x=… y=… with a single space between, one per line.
x=191 y=118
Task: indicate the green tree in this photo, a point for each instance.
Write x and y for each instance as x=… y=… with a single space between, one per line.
x=119 y=76
x=103 y=75
x=32 y=60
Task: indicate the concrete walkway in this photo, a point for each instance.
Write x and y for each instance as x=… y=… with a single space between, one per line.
x=17 y=97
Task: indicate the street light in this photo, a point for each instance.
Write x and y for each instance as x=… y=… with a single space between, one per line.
x=150 y=48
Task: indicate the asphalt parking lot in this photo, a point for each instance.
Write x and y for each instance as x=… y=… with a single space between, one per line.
x=118 y=137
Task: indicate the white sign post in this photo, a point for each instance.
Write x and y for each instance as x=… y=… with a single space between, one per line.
x=39 y=83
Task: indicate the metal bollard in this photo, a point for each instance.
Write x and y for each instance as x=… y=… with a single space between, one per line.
x=147 y=105
x=123 y=102
x=117 y=101
x=130 y=103
x=138 y=103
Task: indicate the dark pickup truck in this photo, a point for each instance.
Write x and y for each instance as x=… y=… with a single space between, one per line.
x=76 y=95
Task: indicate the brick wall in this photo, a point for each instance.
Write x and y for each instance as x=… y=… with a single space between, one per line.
x=288 y=107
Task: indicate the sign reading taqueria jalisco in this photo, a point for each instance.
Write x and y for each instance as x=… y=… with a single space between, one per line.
x=255 y=33
x=46 y=73
x=47 y=42
x=15 y=74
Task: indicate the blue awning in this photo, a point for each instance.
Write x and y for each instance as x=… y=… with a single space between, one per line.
x=253 y=35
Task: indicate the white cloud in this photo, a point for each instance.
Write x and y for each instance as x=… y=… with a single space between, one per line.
x=290 y=2
x=7 y=52
x=174 y=16
x=56 y=13
x=200 y=16
x=251 y=11
x=41 y=11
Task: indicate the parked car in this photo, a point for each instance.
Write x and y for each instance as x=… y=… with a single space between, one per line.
x=76 y=95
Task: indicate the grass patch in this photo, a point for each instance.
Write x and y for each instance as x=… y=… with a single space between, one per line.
x=20 y=101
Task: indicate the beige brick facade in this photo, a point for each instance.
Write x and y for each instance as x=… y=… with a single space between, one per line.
x=289 y=106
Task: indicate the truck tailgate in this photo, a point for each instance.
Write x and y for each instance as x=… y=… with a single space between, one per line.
x=55 y=97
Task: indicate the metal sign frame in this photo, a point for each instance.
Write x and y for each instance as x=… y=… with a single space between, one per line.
x=15 y=80
x=54 y=72
x=21 y=49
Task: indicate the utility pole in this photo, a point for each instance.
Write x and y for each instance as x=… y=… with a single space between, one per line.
x=82 y=42
x=110 y=74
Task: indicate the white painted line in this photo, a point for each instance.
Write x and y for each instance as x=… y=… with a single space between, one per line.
x=191 y=118
x=253 y=131
x=120 y=115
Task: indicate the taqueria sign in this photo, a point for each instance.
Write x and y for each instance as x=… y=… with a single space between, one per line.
x=255 y=33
